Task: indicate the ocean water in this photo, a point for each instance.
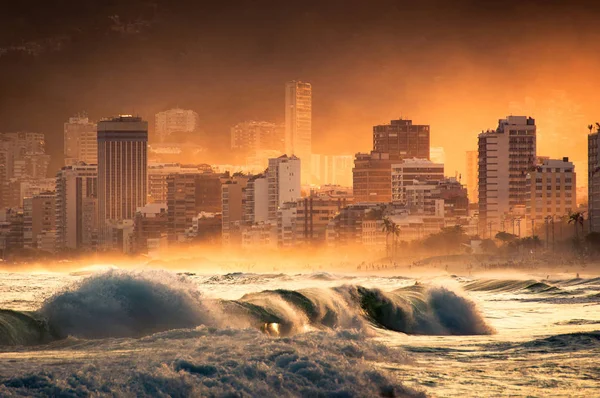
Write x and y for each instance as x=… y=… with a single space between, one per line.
x=157 y=333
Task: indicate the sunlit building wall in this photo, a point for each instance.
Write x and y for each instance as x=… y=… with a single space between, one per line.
x=284 y=182
x=410 y=172
x=552 y=190
x=402 y=139
x=80 y=141
x=505 y=155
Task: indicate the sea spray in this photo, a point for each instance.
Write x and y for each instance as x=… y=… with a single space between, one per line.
x=125 y=304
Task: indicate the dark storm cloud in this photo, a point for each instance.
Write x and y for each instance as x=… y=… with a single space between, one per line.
x=434 y=61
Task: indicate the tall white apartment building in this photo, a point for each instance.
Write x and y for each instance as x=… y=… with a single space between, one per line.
x=175 y=120
x=411 y=171
x=284 y=182
x=122 y=170
x=76 y=195
x=298 y=124
x=80 y=141
x=505 y=155
x=257 y=200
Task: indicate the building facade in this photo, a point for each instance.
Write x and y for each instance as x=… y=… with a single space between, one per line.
x=402 y=139
x=410 y=171
x=122 y=170
x=298 y=124
x=371 y=177
x=76 y=207
x=284 y=182
x=175 y=121
x=552 y=190
x=39 y=221
x=594 y=181
x=505 y=156
x=251 y=138
x=80 y=141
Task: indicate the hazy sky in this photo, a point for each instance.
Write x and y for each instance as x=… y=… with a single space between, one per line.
x=457 y=65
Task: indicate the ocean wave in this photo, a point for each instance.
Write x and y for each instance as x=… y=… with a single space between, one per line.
x=125 y=304
x=120 y=304
x=511 y=286
x=216 y=362
x=22 y=328
x=565 y=342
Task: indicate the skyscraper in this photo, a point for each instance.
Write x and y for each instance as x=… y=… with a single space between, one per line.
x=122 y=165
x=80 y=141
x=298 y=124
x=76 y=199
x=175 y=121
x=506 y=155
x=402 y=140
x=472 y=176
x=594 y=181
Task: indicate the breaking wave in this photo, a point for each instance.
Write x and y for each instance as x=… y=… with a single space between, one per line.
x=121 y=304
x=127 y=304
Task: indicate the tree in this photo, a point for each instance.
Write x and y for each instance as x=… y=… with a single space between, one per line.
x=488 y=246
x=390 y=228
x=575 y=219
x=506 y=237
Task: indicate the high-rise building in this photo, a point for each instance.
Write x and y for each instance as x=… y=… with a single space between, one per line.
x=76 y=198
x=253 y=137
x=552 y=190
x=372 y=180
x=80 y=141
x=410 y=172
x=158 y=173
x=175 y=121
x=284 y=182
x=187 y=196
x=257 y=200
x=150 y=228
x=234 y=208
x=22 y=156
x=11 y=231
x=505 y=155
x=122 y=170
x=298 y=124
x=39 y=219
x=472 y=168
x=402 y=139
x=594 y=181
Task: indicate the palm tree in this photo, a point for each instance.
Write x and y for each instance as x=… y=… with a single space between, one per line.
x=389 y=227
x=576 y=218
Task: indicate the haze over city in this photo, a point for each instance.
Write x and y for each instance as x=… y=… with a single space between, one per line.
x=453 y=65
x=320 y=198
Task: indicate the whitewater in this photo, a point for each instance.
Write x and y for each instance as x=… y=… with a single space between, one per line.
x=159 y=333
